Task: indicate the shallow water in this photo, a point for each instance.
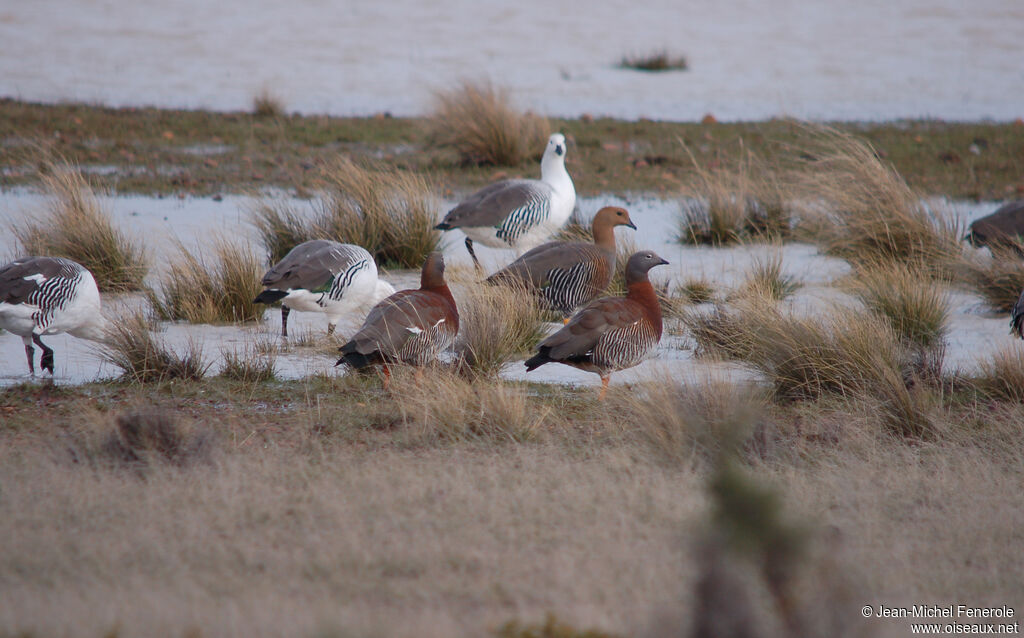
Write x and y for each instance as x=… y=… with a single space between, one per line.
x=975 y=332
x=832 y=60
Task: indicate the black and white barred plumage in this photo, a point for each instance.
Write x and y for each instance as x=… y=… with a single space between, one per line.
x=48 y=295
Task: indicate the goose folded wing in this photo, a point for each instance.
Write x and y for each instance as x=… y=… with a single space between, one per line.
x=393 y=321
x=492 y=204
x=310 y=267
x=21 y=278
x=582 y=333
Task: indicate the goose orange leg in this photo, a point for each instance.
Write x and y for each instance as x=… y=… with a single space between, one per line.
x=387 y=376
x=604 y=388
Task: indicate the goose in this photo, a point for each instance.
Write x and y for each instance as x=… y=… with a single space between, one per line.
x=518 y=213
x=1003 y=228
x=410 y=326
x=324 y=276
x=47 y=295
x=611 y=333
x=569 y=274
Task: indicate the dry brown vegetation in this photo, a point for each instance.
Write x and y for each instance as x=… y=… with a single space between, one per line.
x=477 y=121
x=765 y=278
x=842 y=353
x=737 y=202
x=143 y=357
x=209 y=285
x=77 y=226
x=999 y=279
x=250 y=363
x=267 y=104
x=444 y=507
x=856 y=206
x=496 y=323
x=390 y=213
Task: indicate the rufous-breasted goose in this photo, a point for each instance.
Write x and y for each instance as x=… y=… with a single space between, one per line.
x=611 y=333
x=410 y=326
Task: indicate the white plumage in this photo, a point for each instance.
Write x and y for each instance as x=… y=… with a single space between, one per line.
x=48 y=295
x=518 y=213
x=325 y=276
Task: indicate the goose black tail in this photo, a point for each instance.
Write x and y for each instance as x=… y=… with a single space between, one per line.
x=443 y=226
x=270 y=296
x=1017 y=323
x=538 y=359
x=352 y=358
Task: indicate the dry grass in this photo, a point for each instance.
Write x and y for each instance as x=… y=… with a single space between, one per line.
x=266 y=104
x=496 y=323
x=1001 y=377
x=684 y=423
x=999 y=279
x=657 y=61
x=843 y=353
x=862 y=210
x=391 y=213
x=478 y=122
x=727 y=205
x=915 y=306
x=478 y=506
x=252 y=363
x=140 y=439
x=442 y=406
x=131 y=346
x=301 y=534
x=697 y=290
x=766 y=279
x=216 y=286
x=77 y=226
x=281 y=227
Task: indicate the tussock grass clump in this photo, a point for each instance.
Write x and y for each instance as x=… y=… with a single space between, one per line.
x=131 y=346
x=1001 y=377
x=681 y=422
x=767 y=279
x=77 y=227
x=444 y=406
x=496 y=323
x=697 y=290
x=218 y=286
x=999 y=280
x=866 y=213
x=657 y=61
x=727 y=205
x=478 y=122
x=281 y=227
x=253 y=363
x=914 y=305
x=391 y=213
x=844 y=353
x=139 y=439
x=267 y=104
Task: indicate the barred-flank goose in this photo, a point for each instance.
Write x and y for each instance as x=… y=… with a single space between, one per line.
x=611 y=333
x=324 y=276
x=46 y=295
x=566 y=275
x=518 y=213
x=1017 y=317
x=1004 y=227
x=410 y=326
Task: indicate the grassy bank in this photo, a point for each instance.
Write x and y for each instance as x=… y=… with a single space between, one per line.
x=158 y=151
x=330 y=507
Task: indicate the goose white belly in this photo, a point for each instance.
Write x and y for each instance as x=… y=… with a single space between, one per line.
x=17 y=318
